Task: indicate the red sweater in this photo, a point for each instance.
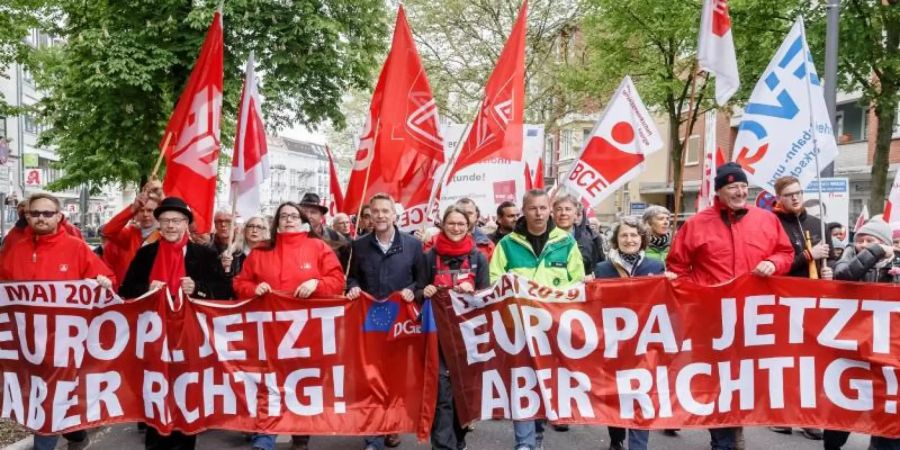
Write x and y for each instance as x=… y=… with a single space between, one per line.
x=708 y=251
x=58 y=256
x=295 y=259
x=125 y=240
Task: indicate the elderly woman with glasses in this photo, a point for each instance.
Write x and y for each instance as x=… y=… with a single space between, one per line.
x=254 y=234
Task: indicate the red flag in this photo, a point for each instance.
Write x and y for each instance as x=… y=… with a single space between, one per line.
x=192 y=154
x=529 y=182
x=336 y=204
x=250 y=163
x=538 y=182
x=497 y=129
x=401 y=146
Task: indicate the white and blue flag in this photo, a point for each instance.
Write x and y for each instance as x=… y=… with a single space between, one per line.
x=785 y=123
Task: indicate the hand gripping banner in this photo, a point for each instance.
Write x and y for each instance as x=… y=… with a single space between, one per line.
x=646 y=353
x=74 y=356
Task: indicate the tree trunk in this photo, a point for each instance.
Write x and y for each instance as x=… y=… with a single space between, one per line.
x=676 y=157
x=886 y=115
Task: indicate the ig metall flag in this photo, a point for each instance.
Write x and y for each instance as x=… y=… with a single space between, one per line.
x=785 y=124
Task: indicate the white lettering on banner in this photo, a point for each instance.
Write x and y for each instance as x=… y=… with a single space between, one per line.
x=512 y=286
x=86 y=294
x=528 y=394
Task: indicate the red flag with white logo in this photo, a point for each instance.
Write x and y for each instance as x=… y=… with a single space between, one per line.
x=401 y=146
x=715 y=50
x=192 y=154
x=336 y=204
x=497 y=129
x=615 y=151
x=250 y=163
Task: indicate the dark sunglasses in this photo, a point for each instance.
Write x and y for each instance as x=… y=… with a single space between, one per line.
x=45 y=214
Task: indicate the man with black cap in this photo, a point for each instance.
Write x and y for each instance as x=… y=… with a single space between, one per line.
x=725 y=241
x=175 y=263
x=311 y=205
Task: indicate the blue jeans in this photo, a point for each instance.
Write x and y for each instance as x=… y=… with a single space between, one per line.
x=267 y=441
x=49 y=442
x=637 y=439
x=376 y=442
x=721 y=438
x=529 y=434
x=883 y=443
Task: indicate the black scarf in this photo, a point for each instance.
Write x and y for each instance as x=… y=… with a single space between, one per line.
x=657 y=241
x=630 y=258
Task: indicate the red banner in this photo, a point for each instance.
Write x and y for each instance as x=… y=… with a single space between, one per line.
x=73 y=356
x=646 y=353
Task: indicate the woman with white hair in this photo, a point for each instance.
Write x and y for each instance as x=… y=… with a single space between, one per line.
x=658 y=219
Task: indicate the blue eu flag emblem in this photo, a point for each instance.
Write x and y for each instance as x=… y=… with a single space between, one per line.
x=381 y=316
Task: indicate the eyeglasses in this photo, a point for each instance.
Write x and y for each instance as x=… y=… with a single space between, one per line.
x=44 y=214
x=255 y=227
x=286 y=216
x=173 y=221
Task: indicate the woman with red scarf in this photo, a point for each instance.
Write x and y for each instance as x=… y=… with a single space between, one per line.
x=175 y=264
x=296 y=262
x=453 y=263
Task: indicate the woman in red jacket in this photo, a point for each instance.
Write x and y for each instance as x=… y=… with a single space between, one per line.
x=295 y=262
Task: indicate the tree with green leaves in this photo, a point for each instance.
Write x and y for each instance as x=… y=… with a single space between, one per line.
x=116 y=79
x=656 y=43
x=869 y=62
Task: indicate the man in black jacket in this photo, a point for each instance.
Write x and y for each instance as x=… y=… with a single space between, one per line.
x=175 y=263
x=382 y=262
x=797 y=223
x=203 y=275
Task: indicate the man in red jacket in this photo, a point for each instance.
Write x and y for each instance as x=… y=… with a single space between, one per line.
x=725 y=241
x=47 y=252
x=124 y=238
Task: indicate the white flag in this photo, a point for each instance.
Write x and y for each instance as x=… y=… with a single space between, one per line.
x=250 y=163
x=715 y=49
x=786 y=122
x=614 y=153
x=893 y=201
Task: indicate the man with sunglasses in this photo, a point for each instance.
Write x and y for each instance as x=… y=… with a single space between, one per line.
x=48 y=252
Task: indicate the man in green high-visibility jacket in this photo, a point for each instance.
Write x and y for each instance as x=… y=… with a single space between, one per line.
x=539 y=251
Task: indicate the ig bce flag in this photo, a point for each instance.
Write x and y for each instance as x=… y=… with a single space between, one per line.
x=614 y=153
x=786 y=111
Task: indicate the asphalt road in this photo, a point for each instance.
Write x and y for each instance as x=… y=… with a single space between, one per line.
x=488 y=436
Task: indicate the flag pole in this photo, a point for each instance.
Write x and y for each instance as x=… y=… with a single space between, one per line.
x=362 y=200
x=812 y=127
x=162 y=154
x=679 y=187
x=448 y=166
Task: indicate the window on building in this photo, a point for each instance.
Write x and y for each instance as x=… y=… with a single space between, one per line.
x=586 y=136
x=31 y=125
x=692 y=153
x=3 y=127
x=566 y=144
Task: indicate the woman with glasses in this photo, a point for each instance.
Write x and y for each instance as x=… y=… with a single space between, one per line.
x=454 y=262
x=295 y=262
x=254 y=234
